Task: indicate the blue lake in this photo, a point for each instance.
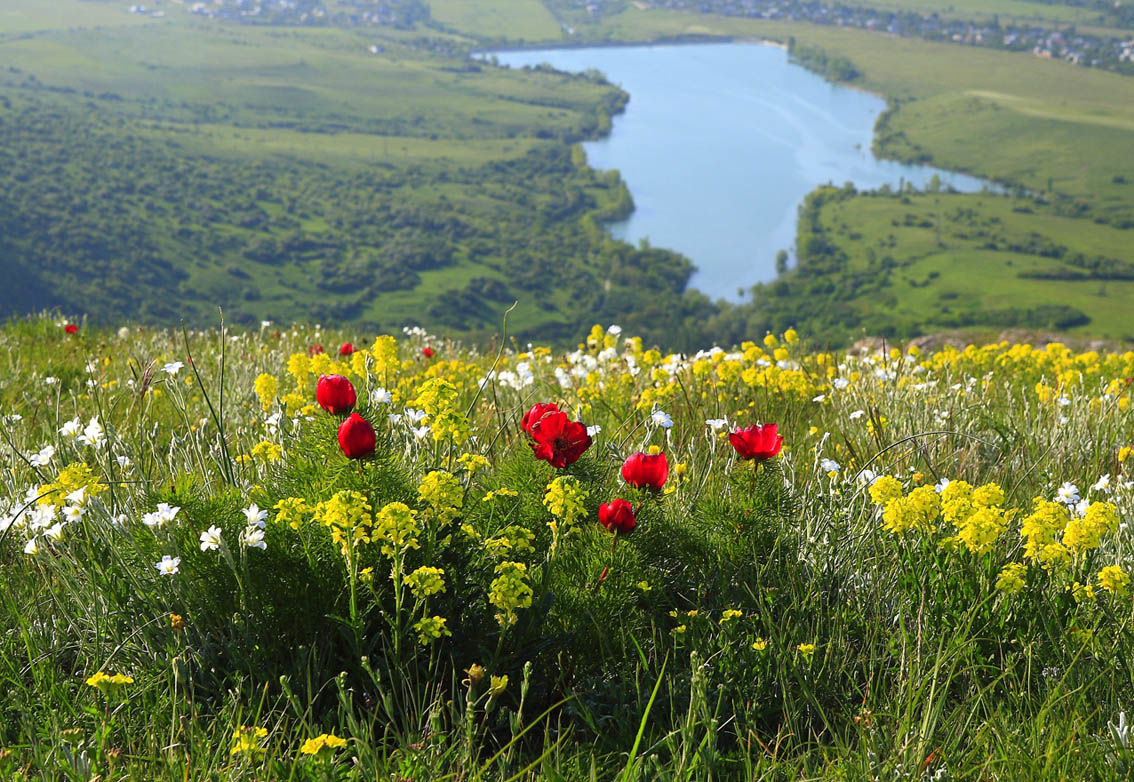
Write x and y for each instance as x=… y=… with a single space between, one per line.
x=721 y=142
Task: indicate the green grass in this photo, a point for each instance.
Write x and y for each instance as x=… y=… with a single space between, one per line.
x=20 y=17
x=517 y=20
x=943 y=268
x=672 y=652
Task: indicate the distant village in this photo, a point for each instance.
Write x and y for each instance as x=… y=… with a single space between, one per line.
x=1041 y=40
x=403 y=14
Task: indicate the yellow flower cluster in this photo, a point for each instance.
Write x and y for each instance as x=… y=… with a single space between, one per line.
x=443 y=496
x=976 y=514
x=293 y=511
x=348 y=515
x=430 y=628
x=323 y=745
x=266 y=387
x=510 y=541
x=247 y=740
x=510 y=591
x=440 y=400
x=267 y=452
x=426 y=581
x=1012 y=578
x=73 y=477
x=396 y=527
x=109 y=684
x=565 y=498
x=1052 y=537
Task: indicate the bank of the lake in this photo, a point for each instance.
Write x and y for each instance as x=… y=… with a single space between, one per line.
x=721 y=142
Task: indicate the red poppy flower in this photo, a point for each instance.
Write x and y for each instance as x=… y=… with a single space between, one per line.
x=70 y=328
x=346 y=349
x=617 y=516
x=757 y=442
x=335 y=394
x=557 y=441
x=642 y=470
x=535 y=413
x=356 y=437
x=311 y=351
x=427 y=351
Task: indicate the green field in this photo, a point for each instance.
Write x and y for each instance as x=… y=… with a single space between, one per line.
x=952 y=256
x=526 y=20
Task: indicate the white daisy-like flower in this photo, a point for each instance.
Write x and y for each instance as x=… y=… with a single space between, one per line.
x=123 y=461
x=1068 y=494
x=49 y=380
x=44 y=457
x=381 y=396
x=716 y=424
x=172 y=368
x=594 y=430
x=78 y=496
x=55 y=531
x=420 y=432
x=415 y=416
x=613 y=330
x=123 y=332
x=31 y=547
x=72 y=428
x=255 y=516
x=820 y=398
x=168 y=566
x=164 y=514
x=73 y=513
x=867 y=477
x=265 y=323
x=93 y=435
x=661 y=418
x=42 y=517
x=211 y=539
x=829 y=465
x=856 y=415
x=395 y=418
x=253 y=537
x=840 y=383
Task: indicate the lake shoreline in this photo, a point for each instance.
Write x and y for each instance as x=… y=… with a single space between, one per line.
x=720 y=143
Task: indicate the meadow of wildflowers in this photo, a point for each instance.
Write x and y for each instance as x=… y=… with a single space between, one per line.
x=238 y=555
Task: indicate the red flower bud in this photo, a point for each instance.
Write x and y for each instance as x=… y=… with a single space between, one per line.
x=427 y=351
x=346 y=349
x=356 y=437
x=335 y=394
x=617 y=516
x=70 y=328
x=642 y=470
x=757 y=442
x=535 y=413
x=311 y=351
x=558 y=441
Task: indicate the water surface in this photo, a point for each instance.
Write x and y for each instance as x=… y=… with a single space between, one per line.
x=721 y=142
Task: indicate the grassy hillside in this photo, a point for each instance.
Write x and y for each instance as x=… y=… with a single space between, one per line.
x=514 y=19
x=903 y=264
x=928 y=577
x=169 y=168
